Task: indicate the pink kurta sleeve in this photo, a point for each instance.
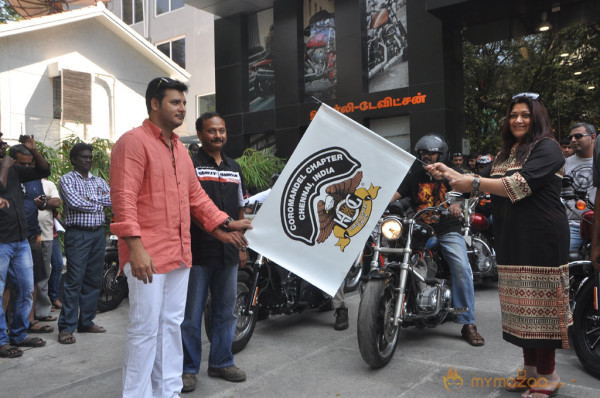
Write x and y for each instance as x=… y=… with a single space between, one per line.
x=128 y=161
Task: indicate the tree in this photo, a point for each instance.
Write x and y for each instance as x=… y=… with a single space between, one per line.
x=7 y=13
x=544 y=63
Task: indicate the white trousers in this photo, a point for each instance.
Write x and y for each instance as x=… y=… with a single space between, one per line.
x=153 y=362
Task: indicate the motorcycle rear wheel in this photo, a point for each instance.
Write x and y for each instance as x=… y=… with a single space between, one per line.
x=114 y=288
x=377 y=336
x=245 y=323
x=585 y=332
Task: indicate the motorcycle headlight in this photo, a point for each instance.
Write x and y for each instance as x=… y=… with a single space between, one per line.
x=391 y=229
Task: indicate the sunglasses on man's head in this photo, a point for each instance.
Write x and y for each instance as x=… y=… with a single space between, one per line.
x=532 y=96
x=577 y=136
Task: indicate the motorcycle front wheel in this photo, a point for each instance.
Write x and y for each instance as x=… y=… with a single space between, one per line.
x=377 y=335
x=585 y=332
x=114 y=286
x=245 y=323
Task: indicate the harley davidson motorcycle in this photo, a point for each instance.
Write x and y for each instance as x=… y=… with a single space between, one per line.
x=265 y=288
x=261 y=74
x=386 y=41
x=479 y=239
x=319 y=54
x=413 y=289
x=584 y=285
x=114 y=282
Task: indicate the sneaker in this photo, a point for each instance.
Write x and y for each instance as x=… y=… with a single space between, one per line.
x=189 y=382
x=229 y=373
x=341 y=318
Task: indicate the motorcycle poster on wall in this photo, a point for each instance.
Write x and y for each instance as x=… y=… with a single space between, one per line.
x=261 y=73
x=320 y=71
x=328 y=198
x=387 y=44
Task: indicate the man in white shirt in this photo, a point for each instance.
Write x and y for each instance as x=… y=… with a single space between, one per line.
x=580 y=168
x=46 y=207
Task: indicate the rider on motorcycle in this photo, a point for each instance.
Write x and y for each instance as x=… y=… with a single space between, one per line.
x=425 y=191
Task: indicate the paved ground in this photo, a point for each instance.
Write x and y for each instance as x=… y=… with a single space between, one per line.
x=298 y=356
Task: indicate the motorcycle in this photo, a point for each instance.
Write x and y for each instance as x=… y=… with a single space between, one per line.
x=477 y=232
x=265 y=288
x=319 y=52
x=358 y=273
x=114 y=282
x=386 y=41
x=584 y=285
x=261 y=74
x=413 y=289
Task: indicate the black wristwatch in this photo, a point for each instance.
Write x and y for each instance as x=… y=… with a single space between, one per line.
x=226 y=223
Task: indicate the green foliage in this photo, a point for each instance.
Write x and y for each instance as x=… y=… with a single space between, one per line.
x=258 y=167
x=495 y=71
x=7 y=13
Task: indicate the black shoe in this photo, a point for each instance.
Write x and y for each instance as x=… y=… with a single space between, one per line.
x=341 y=318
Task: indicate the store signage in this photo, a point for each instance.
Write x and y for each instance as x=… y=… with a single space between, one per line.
x=387 y=102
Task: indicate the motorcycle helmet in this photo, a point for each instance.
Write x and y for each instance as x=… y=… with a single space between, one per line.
x=433 y=143
x=483 y=161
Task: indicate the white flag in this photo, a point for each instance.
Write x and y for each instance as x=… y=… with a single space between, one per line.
x=328 y=199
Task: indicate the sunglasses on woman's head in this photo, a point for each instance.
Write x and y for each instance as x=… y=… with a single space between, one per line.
x=532 y=96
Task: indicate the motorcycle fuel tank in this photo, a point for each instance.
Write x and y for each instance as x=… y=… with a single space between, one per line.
x=381 y=17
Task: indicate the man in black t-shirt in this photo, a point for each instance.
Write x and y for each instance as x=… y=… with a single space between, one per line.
x=425 y=191
x=215 y=263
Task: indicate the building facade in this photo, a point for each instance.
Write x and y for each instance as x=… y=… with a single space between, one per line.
x=394 y=66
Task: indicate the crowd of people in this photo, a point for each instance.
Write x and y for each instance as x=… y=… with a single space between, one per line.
x=179 y=217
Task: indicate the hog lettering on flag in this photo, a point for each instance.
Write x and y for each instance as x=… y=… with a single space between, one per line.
x=328 y=199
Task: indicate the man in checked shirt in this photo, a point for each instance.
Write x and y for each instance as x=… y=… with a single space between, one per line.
x=84 y=198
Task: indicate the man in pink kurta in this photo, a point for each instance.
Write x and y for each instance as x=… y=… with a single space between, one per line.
x=154 y=190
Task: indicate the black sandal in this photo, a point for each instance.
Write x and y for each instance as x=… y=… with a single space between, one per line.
x=31 y=342
x=9 y=351
x=41 y=329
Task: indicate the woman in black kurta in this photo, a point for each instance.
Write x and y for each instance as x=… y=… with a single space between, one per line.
x=531 y=236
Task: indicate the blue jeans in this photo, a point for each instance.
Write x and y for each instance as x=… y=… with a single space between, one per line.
x=85 y=259
x=222 y=282
x=57 y=266
x=17 y=264
x=454 y=251
x=576 y=240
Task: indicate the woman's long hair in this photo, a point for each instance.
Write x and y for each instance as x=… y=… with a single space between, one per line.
x=539 y=128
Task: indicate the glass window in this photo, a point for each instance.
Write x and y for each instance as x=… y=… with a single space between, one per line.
x=133 y=11
x=163 y=6
x=175 y=50
x=206 y=103
x=56 y=97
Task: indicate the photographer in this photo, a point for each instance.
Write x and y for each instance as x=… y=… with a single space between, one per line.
x=15 y=254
